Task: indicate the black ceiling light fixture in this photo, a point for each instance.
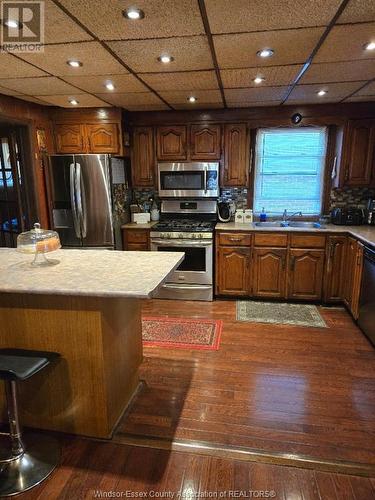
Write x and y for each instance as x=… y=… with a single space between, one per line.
x=296 y=118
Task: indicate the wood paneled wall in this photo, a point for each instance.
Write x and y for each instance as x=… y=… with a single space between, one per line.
x=34 y=116
x=327 y=114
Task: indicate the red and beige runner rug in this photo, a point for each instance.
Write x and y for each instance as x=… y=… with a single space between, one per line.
x=182 y=333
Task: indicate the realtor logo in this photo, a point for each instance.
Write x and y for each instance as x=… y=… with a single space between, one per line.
x=22 y=26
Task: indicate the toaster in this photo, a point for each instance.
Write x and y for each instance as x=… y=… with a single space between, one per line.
x=350 y=216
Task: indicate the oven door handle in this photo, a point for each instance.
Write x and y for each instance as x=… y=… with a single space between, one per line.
x=184 y=243
x=186 y=287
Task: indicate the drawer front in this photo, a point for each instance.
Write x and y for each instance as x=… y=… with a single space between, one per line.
x=307 y=241
x=136 y=236
x=137 y=247
x=270 y=240
x=235 y=239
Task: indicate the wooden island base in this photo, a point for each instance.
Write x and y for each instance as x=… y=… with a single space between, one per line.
x=100 y=341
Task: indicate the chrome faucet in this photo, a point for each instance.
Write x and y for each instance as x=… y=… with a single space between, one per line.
x=286 y=218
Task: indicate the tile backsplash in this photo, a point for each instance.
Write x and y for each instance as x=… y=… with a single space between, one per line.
x=350 y=196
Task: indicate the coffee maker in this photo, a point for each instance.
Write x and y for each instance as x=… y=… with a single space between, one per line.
x=371 y=211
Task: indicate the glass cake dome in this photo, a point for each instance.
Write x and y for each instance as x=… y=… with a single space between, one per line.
x=39 y=242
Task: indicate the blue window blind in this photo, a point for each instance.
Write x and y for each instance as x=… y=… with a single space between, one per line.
x=289 y=170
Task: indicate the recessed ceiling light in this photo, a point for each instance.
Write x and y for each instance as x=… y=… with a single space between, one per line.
x=109 y=86
x=11 y=23
x=192 y=99
x=133 y=13
x=73 y=102
x=102 y=113
x=74 y=63
x=265 y=53
x=321 y=93
x=258 y=79
x=165 y=59
x=369 y=46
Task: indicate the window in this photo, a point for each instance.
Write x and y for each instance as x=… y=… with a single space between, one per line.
x=289 y=170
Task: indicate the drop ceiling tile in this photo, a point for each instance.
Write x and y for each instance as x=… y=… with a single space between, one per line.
x=59 y=27
x=197 y=105
x=11 y=67
x=262 y=15
x=335 y=91
x=187 y=80
x=96 y=84
x=96 y=60
x=252 y=104
x=273 y=75
x=45 y=85
x=311 y=100
x=5 y=91
x=163 y=18
x=358 y=11
x=367 y=91
x=190 y=53
x=84 y=100
x=345 y=43
x=253 y=94
x=132 y=99
x=340 y=71
x=181 y=96
x=290 y=46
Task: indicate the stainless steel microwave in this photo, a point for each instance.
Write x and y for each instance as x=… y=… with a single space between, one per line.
x=195 y=179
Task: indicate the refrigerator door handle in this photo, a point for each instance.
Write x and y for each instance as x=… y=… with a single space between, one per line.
x=80 y=193
x=73 y=200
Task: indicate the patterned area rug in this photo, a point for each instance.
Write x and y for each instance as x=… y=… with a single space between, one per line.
x=182 y=333
x=273 y=312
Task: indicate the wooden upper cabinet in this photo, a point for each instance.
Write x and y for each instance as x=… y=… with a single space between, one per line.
x=143 y=159
x=269 y=272
x=359 y=162
x=335 y=274
x=171 y=143
x=236 y=155
x=103 y=138
x=69 y=138
x=305 y=277
x=205 y=142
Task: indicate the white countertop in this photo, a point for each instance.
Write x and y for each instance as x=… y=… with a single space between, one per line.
x=100 y=273
x=364 y=233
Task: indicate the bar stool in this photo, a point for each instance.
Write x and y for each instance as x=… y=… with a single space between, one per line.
x=26 y=466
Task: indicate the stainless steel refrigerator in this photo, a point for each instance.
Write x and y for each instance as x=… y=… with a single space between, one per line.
x=79 y=191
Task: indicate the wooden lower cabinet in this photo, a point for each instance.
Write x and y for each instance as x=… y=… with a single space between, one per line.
x=305 y=275
x=269 y=272
x=353 y=275
x=136 y=239
x=335 y=270
x=233 y=271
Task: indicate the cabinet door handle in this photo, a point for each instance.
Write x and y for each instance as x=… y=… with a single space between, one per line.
x=333 y=249
x=347 y=172
x=293 y=263
x=235 y=239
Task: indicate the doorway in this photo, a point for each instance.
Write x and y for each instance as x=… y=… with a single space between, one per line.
x=14 y=217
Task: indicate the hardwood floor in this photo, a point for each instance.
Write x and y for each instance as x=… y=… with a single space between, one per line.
x=275 y=388
x=91 y=469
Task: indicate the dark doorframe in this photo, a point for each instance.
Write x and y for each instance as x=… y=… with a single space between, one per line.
x=14 y=199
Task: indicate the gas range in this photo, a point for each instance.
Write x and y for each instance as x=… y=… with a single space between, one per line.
x=183 y=229
x=187 y=226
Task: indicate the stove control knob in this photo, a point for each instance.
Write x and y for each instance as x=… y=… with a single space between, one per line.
x=200 y=236
x=181 y=235
x=193 y=236
x=161 y=235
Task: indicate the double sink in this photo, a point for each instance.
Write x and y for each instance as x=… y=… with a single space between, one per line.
x=280 y=223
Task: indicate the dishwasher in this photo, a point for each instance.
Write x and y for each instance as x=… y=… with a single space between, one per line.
x=366 y=318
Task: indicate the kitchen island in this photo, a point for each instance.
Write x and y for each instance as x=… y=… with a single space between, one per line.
x=87 y=308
